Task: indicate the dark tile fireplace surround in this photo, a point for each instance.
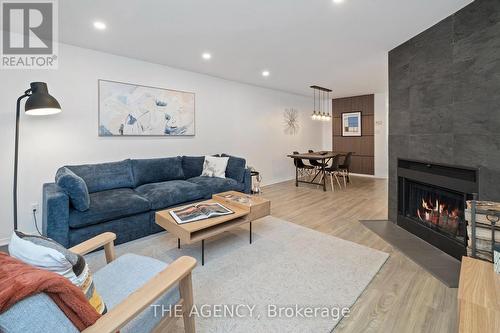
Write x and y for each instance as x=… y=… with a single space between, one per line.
x=444 y=107
x=431 y=202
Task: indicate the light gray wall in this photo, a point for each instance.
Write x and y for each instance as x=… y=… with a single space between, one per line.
x=444 y=97
x=231 y=117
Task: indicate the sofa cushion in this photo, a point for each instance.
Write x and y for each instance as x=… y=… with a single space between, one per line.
x=126 y=229
x=75 y=187
x=105 y=176
x=120 y=278
x=192 y=166
x=35 y=314
x=155 y=170
x=109 y=205
x=235 y=168
x=169 y=193
x=214 y=185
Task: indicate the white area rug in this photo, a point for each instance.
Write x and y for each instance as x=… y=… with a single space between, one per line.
x=287 y=265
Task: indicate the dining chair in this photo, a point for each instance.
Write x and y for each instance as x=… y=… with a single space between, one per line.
x=345 y=168
x=304 y=169
x=334 y=171
x=315 y=163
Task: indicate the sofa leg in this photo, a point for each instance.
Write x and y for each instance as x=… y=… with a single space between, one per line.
x=178 y=243
x=186 y=291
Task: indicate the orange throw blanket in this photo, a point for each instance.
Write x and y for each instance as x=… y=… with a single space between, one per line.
x=19 y=280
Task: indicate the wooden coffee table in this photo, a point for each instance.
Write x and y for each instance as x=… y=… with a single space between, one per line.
x=247 y=209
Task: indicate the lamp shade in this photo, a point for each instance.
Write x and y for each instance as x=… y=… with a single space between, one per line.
x=40 y=103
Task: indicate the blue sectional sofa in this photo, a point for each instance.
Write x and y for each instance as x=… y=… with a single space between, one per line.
x=122 y=197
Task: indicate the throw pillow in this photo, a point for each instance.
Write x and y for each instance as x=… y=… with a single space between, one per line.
x=192 y=166
x=75 y=187
x=45 y=253
x=215 y=166
x=235 y=168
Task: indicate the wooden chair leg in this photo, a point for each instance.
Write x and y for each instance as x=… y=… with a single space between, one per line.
x=331 y=182
x=337 y=179
x=186 y=291
x=344 y=175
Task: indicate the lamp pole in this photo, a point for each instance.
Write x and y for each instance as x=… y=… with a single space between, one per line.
x=39 y=103
x=16 y=154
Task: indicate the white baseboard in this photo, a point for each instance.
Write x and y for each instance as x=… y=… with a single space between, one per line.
x=368 y=176
x=4 y=241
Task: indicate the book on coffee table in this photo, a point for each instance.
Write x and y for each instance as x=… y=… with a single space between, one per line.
x=200 y=211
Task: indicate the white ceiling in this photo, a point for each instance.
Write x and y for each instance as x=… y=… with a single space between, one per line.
x=301 y=42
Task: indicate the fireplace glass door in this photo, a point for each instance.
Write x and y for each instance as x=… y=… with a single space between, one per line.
x=436 y=208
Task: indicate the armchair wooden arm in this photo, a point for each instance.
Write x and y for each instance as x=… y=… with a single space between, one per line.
x=177 y=272
x=105 y=239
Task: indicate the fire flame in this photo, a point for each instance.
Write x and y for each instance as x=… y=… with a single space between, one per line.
x=438 y=213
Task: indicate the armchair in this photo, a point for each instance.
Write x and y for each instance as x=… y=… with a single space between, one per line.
x=129 y=285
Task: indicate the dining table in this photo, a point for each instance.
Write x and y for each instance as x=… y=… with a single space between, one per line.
x=324 y=157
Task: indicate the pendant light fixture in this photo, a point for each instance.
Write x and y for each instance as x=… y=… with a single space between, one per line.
x=314 y=115
x=323 y=97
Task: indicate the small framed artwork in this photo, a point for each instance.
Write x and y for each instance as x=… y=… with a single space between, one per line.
x=134 y=110
x=351 y=124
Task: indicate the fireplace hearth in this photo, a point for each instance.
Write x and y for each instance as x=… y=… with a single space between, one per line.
x=431 y=202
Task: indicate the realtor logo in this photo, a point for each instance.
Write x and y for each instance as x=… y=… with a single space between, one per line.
x=29 y=34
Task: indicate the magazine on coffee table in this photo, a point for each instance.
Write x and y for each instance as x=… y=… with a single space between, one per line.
x=199 y=212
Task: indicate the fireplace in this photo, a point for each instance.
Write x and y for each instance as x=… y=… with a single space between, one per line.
x=431 y=203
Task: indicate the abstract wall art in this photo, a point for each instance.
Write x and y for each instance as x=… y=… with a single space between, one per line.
x=133 y=110
x=351 y=124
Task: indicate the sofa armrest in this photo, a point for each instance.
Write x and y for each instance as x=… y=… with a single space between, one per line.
x=105 y=239
x=55 y=214
x=177 y=272
x=247 y=181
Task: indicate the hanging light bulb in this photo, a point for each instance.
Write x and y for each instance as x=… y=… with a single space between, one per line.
x=314 y=115
x=328 y=101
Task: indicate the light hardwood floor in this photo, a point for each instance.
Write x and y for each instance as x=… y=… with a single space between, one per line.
x=402 y=297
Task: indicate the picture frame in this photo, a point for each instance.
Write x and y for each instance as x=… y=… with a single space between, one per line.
x=127 y=109
x=351 y=124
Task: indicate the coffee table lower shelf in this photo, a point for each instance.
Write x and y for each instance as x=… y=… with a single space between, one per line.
x=204 y=234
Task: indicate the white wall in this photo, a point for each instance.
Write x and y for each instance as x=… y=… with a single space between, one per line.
x=230 y=117
x=381 y=135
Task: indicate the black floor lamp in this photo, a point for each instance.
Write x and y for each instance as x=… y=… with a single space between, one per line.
x=39 y=103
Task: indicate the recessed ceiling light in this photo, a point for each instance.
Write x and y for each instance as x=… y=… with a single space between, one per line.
x=338 y=1
x=265 y=73
x=206 y=56
x=99 y=25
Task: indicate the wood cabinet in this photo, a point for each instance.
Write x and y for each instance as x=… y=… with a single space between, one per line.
x=478 y=297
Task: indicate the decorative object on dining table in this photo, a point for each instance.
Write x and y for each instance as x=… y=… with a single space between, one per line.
x=483 y=228
x=134 y=110
x=323 y=103
x=351 y=124
x=291 y=120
